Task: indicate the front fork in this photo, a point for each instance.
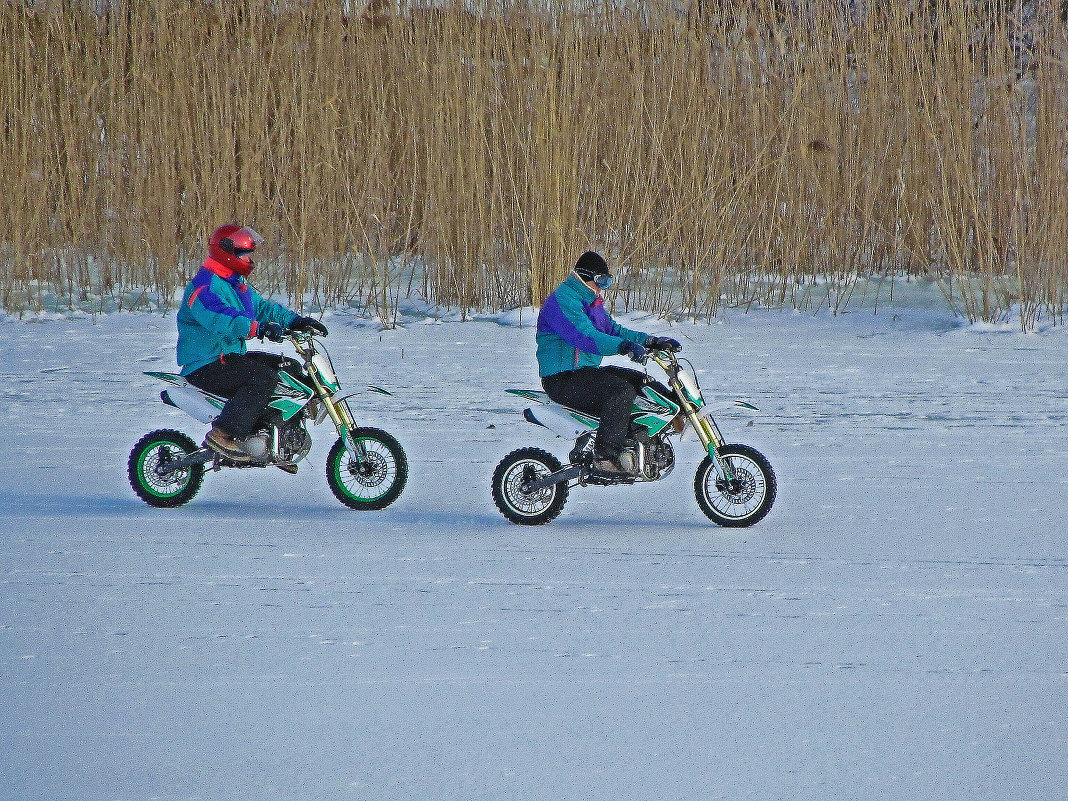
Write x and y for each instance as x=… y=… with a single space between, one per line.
x=709 y=434
x=341 y=415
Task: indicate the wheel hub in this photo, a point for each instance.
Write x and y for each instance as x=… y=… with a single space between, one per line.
x=741 y=488
x=368 y=471
x=529 y=476
x=162 y=469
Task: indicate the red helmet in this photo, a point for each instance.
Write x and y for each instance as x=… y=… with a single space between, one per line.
x=232 y=246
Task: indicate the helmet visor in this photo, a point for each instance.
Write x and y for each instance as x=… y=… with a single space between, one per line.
x=245 y=241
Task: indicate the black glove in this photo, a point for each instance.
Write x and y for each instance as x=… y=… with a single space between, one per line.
x=271 y=331
x=310 y=325
x=663 y=343
x=635 y=351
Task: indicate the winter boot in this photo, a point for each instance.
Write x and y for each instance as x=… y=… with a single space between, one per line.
x=225 y=445
x=616 y=468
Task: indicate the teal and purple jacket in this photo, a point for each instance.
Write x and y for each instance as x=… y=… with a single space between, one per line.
x=574 y=330
x=219 y=312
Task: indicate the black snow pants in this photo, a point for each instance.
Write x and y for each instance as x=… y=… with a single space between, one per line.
x=605 y=392
x=248 y=381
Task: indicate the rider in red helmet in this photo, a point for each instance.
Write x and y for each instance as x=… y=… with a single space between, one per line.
x=219 y=312
x=232 y=246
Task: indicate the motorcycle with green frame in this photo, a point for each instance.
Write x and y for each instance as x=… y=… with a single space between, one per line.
x=735 y=485
x=366 y=468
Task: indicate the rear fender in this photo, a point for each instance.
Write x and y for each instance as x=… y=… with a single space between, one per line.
x=563 y=422
x=199 y=405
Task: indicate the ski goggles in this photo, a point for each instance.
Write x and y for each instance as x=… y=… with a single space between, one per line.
x=600 y=280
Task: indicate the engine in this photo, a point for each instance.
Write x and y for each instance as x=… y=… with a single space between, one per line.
x=659 y=457
x=656 y=453
x=293 y=442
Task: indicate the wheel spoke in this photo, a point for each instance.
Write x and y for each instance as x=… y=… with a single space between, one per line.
x=530 y=503
x=148 y=461
x=746 y=497
x=374 y=478
x=163 y=484
x=743 y=494
x=371 y=476
x=515 y=474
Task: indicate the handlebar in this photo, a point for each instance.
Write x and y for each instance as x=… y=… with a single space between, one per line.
x=664 y=350
x=301 y=340
x=279 y=334
x=665 y=358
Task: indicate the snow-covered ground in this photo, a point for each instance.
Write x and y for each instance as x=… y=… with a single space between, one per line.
x=894 y=629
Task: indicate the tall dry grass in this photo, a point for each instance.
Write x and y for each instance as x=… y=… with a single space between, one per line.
x=766 y=151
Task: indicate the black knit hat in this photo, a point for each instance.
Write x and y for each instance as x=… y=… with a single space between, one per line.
x=589 y=265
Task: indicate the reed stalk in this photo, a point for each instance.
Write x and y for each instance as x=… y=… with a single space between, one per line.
x=726 y=153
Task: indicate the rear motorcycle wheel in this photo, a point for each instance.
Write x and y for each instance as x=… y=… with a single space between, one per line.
x=373 y=482
x=149 y=455
x=515 y=471
x=747 y=498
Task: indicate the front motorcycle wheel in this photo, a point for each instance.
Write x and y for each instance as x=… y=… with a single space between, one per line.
x=745 y=499
x=374 y=481
x=522 y=506
x=150 y=455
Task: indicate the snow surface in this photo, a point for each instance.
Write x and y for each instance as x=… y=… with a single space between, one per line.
x=894 y=629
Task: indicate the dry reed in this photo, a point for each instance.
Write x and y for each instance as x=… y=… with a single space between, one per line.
x=737 y=152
